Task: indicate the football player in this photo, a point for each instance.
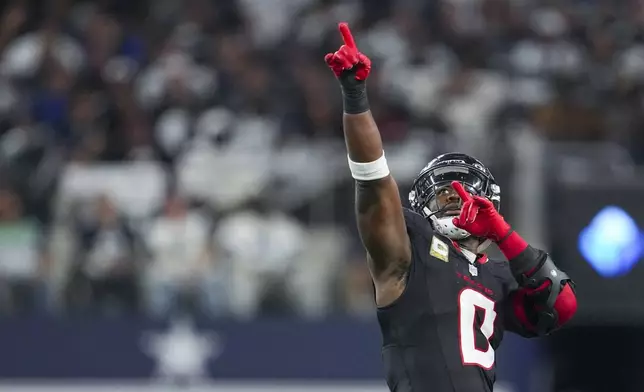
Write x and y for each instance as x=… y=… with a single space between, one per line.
x=443 y=306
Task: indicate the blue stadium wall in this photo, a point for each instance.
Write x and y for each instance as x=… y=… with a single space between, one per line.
x=333 y=355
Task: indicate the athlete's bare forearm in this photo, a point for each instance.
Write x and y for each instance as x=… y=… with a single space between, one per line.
x=379 y=213
x=362 y=137
x=382 y=229
x=378 y=208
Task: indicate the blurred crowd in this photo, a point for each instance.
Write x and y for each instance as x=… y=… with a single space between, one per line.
x=186 y=155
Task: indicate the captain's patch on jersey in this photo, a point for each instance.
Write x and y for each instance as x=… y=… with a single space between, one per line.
x=439 y=249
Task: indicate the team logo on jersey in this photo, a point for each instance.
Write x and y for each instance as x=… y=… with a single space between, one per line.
x=473 y=270
x=439 y=249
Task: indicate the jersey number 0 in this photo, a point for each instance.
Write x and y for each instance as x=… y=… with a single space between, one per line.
x=468 y=301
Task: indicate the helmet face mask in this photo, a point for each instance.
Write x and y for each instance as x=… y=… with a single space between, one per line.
x=429 y=194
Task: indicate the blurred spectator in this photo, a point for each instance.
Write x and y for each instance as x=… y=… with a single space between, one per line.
x=262 y=245
x=23 y=257
x=106 y=258
x=182 y=264
x=24 y=57
x=470 y=100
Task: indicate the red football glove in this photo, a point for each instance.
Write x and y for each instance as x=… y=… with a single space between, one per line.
x=348 y=61
x=479 y=217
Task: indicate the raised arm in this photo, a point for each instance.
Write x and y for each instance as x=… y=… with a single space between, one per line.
x=379 y=211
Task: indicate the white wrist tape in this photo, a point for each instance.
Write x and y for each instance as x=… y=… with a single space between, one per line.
x=369 y=171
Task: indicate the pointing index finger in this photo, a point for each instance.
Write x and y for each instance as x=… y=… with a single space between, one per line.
x=462 y=193
x=347 y=37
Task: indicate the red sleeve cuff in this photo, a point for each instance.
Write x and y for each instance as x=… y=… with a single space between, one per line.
x=512 y=246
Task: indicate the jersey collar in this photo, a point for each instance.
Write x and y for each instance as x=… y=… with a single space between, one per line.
x=481 y=258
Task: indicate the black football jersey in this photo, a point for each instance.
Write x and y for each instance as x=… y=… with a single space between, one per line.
x=441 y=334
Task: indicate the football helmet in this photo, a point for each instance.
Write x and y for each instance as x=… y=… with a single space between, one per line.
x=436 y=178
